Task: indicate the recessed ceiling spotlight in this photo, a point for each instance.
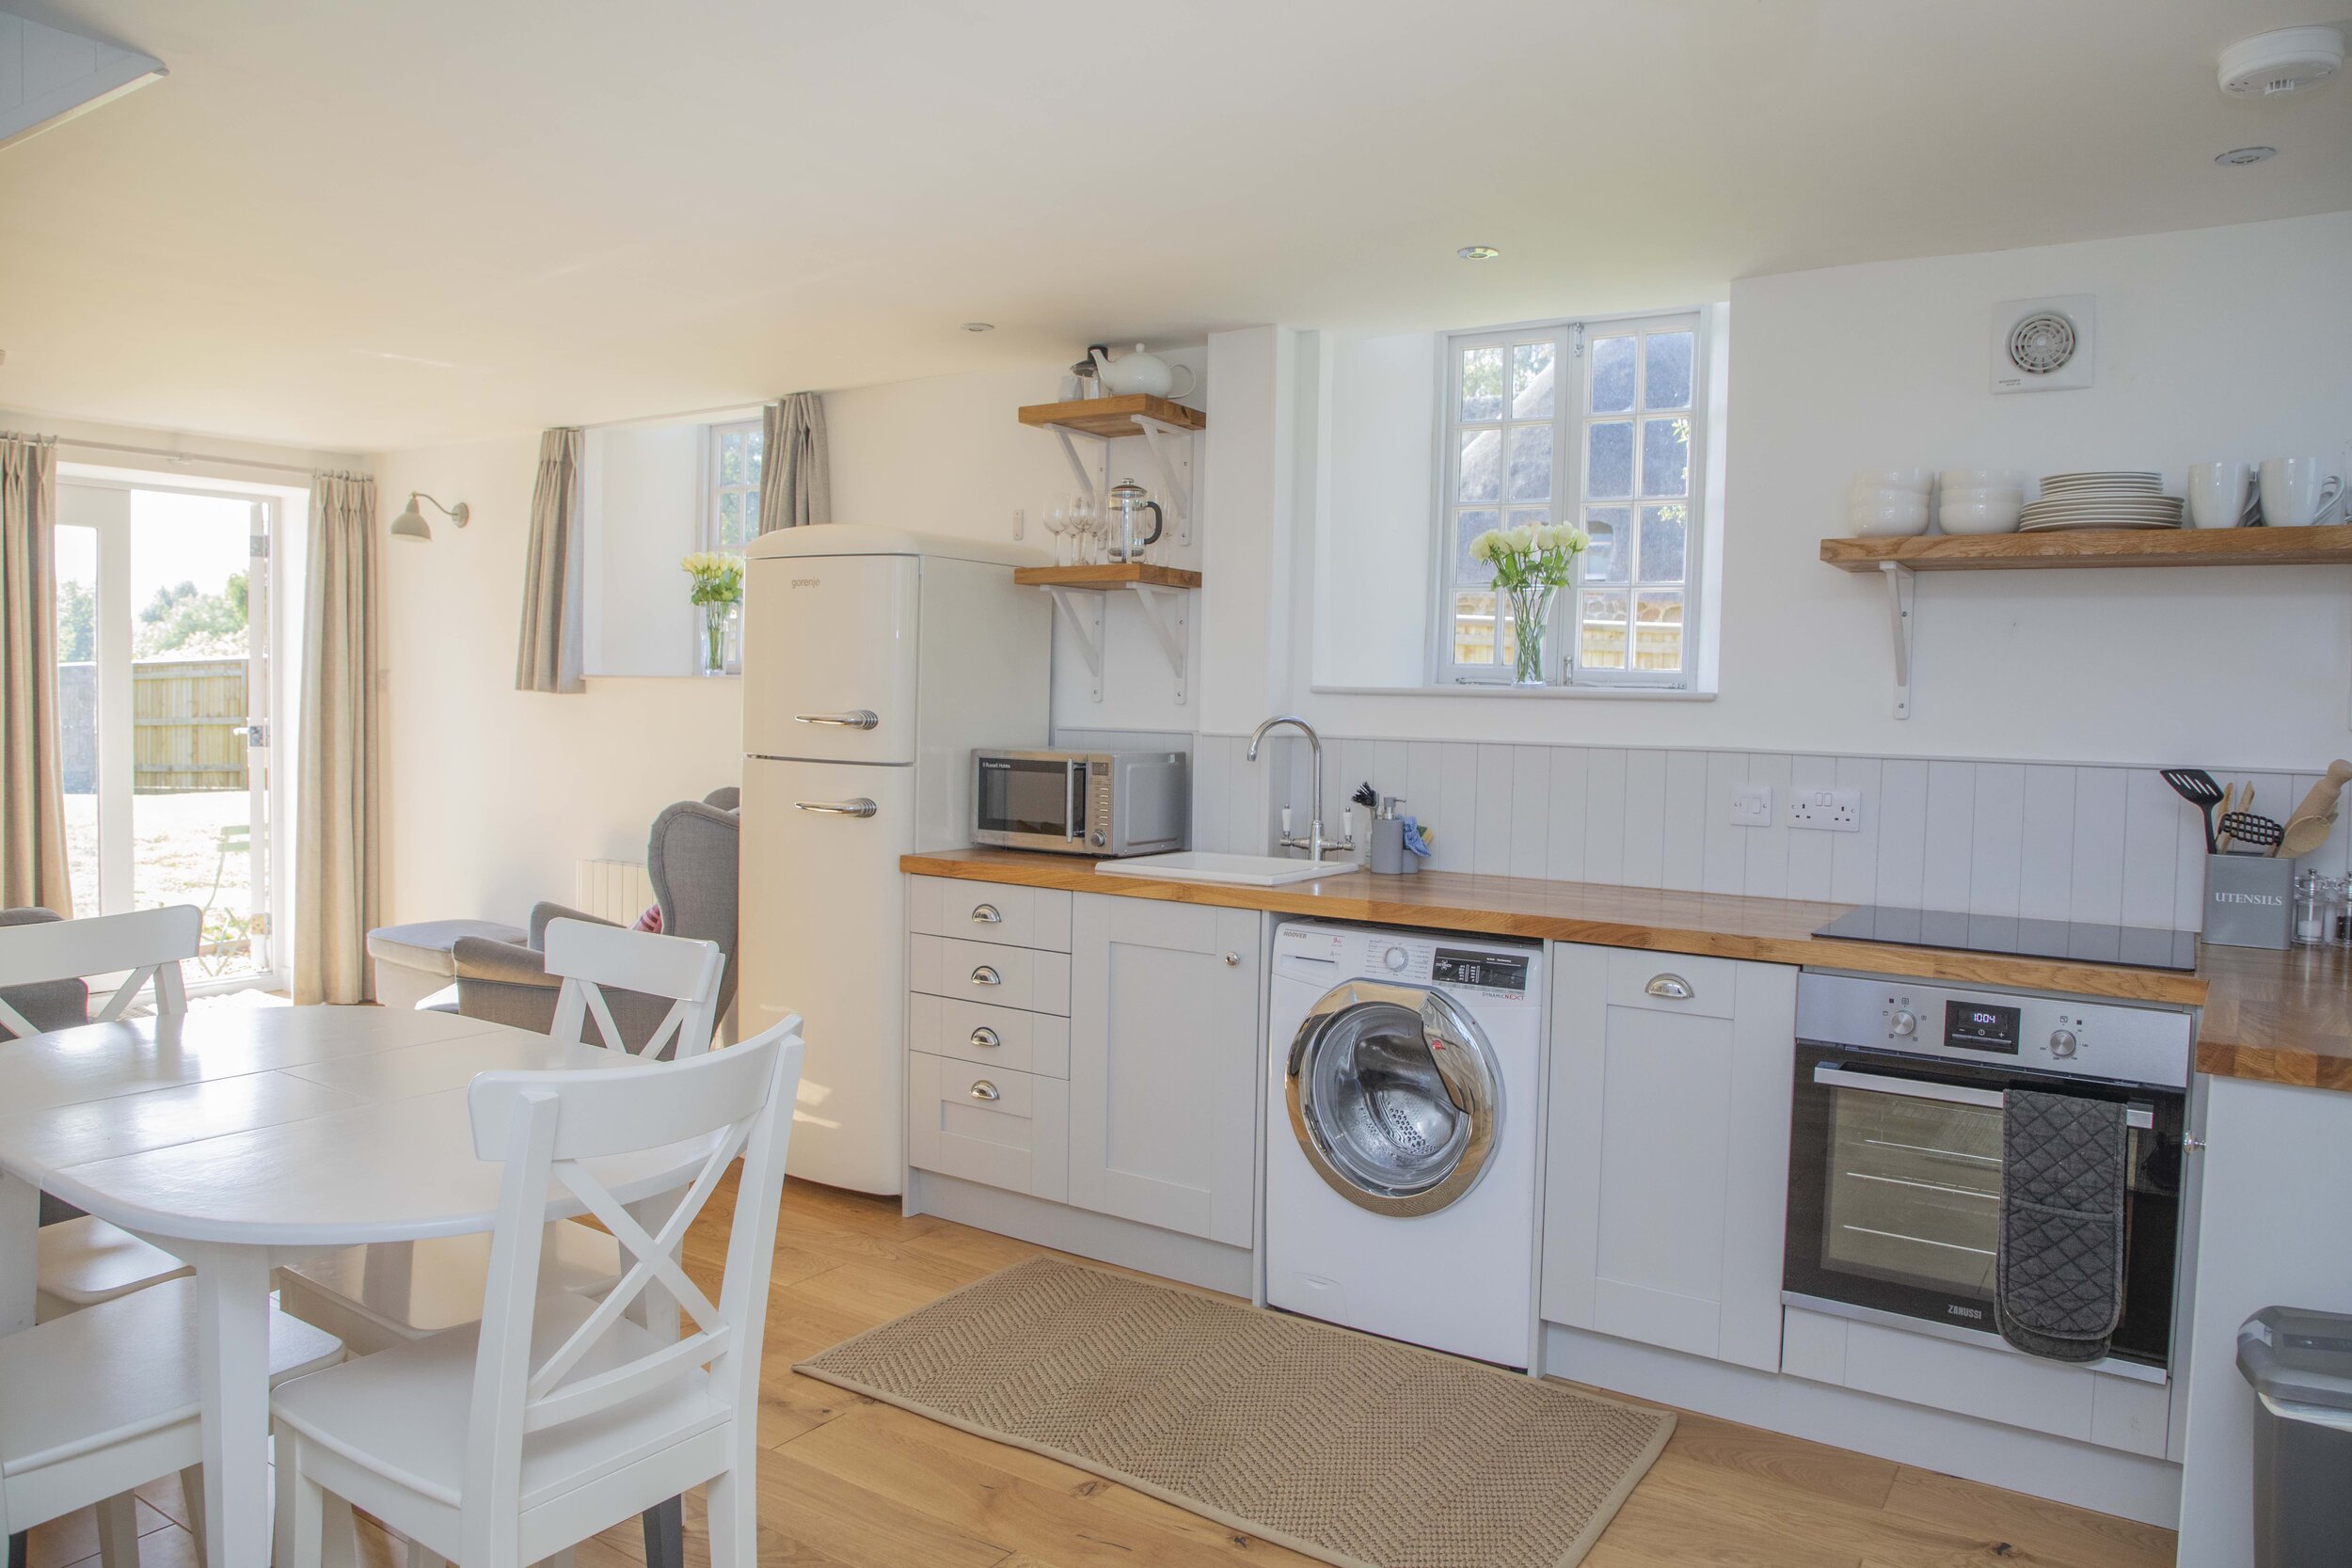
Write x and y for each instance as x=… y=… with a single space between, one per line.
x=1478 y=253
x=979 y=326
x=2237 y=155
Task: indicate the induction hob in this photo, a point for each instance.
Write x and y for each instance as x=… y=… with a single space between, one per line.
x=2137 y=946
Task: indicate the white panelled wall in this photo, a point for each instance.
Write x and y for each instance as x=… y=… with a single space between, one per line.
x=2043 y=841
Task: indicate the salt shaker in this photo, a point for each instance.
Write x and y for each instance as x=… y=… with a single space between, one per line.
x=2315 y=917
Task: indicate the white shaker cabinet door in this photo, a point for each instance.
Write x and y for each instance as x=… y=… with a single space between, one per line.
x=1667 y=1157
x=1164 y=1037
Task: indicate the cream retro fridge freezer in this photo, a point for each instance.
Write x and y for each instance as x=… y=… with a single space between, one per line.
x=874 y=662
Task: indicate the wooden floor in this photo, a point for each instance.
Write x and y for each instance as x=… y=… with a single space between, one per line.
x=849 y=1483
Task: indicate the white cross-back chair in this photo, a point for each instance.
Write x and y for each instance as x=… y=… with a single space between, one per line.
x=85 y=1261
x=102 y=1401
x=374 y=1297
x=589 y=958
x=509 y=1441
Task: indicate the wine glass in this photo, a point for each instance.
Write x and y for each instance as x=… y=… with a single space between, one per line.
x=1056 y=524
x=1089 y=525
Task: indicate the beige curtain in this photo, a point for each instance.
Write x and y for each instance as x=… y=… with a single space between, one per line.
x=32 y=798
x=549 y=657
x=338 y=859
x=795 y=474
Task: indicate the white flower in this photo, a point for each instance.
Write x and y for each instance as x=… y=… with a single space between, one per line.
x=1482 y=547
x=1522 y=539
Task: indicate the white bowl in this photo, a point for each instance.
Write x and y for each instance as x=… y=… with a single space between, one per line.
x=1980 y=492
x=1884 y=496
x=1979 y=479
x=1980 y=517
x=1915 y=480
x=1889 y=520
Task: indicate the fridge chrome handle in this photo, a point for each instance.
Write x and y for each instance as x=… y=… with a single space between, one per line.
x=1949 y=1094
x=859 y=807
x=855 y=718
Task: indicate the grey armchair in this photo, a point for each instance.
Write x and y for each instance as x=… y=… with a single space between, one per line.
x=690 y=859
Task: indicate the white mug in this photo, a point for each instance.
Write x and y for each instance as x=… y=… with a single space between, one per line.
x=2216 y=494
x=2297 y=491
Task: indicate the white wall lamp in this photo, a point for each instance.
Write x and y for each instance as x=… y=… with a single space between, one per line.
x=411 y=524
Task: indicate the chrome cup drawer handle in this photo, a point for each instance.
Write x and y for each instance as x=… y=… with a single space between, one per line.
x=986 y=914
x=984 y=1036
x=985 y=1090
x=986 y=976
x=1673 y=987
x=855 y=718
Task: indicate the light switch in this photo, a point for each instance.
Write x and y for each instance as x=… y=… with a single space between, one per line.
x=1752 y=805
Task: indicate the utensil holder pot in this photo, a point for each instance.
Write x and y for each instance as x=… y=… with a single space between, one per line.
x=2249 y=900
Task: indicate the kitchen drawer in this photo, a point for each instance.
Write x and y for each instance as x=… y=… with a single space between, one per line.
x=989 y=1037
x=990 y=911
x=989 y=972
x=990 y=1124
x=1633 y=972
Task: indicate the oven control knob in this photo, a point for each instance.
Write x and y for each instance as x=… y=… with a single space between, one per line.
x=1904 y=1024
x=1395 y=957
x=1098 y=838
x=2062 y=1043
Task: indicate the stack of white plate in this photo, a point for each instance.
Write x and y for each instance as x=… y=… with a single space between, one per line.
x=2112 y=498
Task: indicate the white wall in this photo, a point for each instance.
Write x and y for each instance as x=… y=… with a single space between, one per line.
x=493 y=793
x=2213 y=343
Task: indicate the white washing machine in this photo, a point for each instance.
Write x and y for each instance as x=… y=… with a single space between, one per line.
x=1401 y=1129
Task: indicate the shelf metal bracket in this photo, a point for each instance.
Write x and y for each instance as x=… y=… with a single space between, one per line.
x=1098 y=489
x=1169 y=611
x=1167 y=459
x=1082 y=608
x=1900 y=594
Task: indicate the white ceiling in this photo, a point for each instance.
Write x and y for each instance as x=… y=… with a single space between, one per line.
x=365 y=226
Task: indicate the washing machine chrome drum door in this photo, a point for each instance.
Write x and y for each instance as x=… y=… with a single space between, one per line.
x=1394 y=1097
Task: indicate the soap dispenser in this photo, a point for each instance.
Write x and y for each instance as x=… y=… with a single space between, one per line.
x=1387 y=838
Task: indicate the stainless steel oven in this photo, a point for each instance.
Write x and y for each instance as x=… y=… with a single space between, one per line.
x=1895 y=1156
x=1081 y=803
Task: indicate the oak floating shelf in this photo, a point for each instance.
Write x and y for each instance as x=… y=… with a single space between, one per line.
x=1167 y=429
x=1106 y=418
x=1982 y=552
x=1899 y=560
x=1106 y=576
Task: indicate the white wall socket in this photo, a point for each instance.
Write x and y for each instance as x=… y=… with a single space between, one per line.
x=1750 y=805
x=1835 y=811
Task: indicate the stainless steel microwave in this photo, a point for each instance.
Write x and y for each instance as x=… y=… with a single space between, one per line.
x=1098 y=803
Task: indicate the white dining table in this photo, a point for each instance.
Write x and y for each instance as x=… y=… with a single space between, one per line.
x=239 y=1139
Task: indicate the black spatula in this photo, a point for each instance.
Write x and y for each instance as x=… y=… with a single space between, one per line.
x=2196 y=786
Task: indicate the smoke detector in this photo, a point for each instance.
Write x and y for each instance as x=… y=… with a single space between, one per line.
x=2270 y=65
x=2041 y=345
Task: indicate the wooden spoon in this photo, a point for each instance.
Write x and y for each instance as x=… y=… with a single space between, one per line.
x=2308 y=825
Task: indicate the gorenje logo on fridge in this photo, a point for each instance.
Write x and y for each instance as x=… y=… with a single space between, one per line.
x=808 y=582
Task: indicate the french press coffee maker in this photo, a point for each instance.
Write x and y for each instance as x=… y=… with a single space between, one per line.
x=1127 y=542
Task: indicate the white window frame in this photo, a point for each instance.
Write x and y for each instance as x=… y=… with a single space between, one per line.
x=1569 y=417
x=714 y=487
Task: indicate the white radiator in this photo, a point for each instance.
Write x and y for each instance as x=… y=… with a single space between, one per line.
x=618 y=891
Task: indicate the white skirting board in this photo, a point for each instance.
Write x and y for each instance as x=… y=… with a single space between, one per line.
x=1211 y=1265
x=2102 y=1480
x=618 y=891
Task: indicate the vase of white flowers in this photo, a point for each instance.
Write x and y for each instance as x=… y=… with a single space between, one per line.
x=718 y=588
x=1531 y=564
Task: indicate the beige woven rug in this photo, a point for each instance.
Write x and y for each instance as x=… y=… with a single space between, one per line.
x=1360 y=1451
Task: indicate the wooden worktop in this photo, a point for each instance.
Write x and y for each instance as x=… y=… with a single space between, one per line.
x=2282 y=1017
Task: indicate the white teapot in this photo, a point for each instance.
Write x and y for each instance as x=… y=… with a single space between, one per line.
x=1139 y=372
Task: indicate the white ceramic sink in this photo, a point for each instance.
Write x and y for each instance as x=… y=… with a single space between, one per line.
x=1198 y=865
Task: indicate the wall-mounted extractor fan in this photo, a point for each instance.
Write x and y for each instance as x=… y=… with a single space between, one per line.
x=2041 y=345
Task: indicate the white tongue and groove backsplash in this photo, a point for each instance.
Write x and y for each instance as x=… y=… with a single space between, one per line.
x=2052 y=842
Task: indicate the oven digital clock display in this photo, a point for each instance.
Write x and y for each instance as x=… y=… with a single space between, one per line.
x=1980 y=1026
